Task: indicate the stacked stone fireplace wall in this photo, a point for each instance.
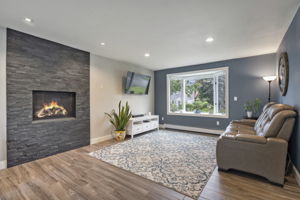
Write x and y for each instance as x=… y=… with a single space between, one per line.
x=37 y=64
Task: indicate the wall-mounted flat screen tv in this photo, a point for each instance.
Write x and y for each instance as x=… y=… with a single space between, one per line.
x=137 y=83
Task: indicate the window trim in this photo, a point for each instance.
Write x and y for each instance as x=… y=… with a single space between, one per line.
x=226 y=116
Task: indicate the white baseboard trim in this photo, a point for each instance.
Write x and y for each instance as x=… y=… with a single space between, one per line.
x=100 y=139
x=296 y=174
x=3 y=164
x=193 y=129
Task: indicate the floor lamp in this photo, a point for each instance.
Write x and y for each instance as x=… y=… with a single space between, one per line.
x=269 y=79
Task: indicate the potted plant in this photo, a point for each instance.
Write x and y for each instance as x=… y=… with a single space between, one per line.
x=120 y=120
x=248 y=108
x=256 y=105
x=252 y=107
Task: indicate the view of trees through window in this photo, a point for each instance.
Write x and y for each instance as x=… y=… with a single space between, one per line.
x=176 y=95
x=198 y=93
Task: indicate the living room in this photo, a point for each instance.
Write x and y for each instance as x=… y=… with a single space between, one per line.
x=149 y=99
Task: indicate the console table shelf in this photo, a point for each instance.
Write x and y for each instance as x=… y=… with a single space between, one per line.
x=139 y=125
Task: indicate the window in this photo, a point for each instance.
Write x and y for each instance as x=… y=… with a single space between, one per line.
x=199 y=93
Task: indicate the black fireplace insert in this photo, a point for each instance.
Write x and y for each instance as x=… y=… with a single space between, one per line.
x=53 y=105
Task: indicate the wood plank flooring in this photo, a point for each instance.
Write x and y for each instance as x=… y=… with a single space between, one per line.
x=76 y=175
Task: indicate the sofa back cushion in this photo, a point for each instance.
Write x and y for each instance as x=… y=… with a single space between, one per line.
x=273 y=120
x=268 y=105
x=263 y=115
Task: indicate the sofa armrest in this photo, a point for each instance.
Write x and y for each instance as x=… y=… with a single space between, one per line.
x=248 y=122
x=279 y=142
x=251 y=138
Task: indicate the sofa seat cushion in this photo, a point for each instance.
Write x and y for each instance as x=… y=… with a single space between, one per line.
x=248 y=122
x=234 y=129
x=239 y=128
x=229 y=136
x=248 y=136
x=234 y=126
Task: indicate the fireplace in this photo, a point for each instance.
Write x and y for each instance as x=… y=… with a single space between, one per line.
x=53 y=105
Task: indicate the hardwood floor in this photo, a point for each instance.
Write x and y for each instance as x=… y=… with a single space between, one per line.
x=76 y=175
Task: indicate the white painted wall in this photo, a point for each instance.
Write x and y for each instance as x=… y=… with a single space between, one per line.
x=106 y=90
x=2 y=97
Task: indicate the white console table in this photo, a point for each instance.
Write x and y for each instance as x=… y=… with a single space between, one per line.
x=139 y=125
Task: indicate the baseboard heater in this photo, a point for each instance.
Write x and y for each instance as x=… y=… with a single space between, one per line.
x=193 y=129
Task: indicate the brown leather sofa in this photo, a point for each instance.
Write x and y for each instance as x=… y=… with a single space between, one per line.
x=258 y=146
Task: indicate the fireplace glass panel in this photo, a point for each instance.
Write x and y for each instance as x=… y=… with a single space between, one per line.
x=53 y=105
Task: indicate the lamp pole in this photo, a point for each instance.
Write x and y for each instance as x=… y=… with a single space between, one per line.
x=269 y=79
x=269 y=99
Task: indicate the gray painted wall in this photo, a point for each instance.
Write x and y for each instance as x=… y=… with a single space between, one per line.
x=37 y=64
x=291 y=45
x=245 y=82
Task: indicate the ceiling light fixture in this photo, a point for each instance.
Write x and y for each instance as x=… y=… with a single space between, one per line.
x=27 y=20
x=102 y=44
x=147 y=54
x=209 y=39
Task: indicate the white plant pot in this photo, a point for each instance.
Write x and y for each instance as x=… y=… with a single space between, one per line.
x=249 y=114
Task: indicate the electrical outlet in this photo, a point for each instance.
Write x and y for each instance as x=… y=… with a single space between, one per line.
x=162 y=118
x=218 y=123
x=235 y=98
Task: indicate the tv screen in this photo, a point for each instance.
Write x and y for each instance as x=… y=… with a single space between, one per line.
x=137 y=83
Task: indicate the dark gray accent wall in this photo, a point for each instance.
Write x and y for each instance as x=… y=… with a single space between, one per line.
x=245 y=82
x=291 y=45
x=37 y=64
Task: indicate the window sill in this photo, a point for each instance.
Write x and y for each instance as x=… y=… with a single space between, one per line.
x=199 y=115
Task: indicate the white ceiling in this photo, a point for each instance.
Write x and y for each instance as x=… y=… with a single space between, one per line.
x=172 y=31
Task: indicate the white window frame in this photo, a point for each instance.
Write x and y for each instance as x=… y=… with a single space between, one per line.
x=208 y=71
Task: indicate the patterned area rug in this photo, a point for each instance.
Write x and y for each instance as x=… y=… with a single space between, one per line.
x=178 y=160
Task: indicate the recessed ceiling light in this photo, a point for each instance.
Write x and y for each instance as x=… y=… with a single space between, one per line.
x=147 y=54
x=209 y=39
x=27 y=20
x=102 y=44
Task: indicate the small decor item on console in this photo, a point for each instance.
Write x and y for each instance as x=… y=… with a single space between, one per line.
x=120 y=120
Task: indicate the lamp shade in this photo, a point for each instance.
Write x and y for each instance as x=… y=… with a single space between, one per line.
x=269 y=78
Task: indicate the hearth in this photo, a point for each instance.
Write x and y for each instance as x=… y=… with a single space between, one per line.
x=53 y=105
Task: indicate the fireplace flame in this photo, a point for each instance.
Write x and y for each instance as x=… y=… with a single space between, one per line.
x=51 y=109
